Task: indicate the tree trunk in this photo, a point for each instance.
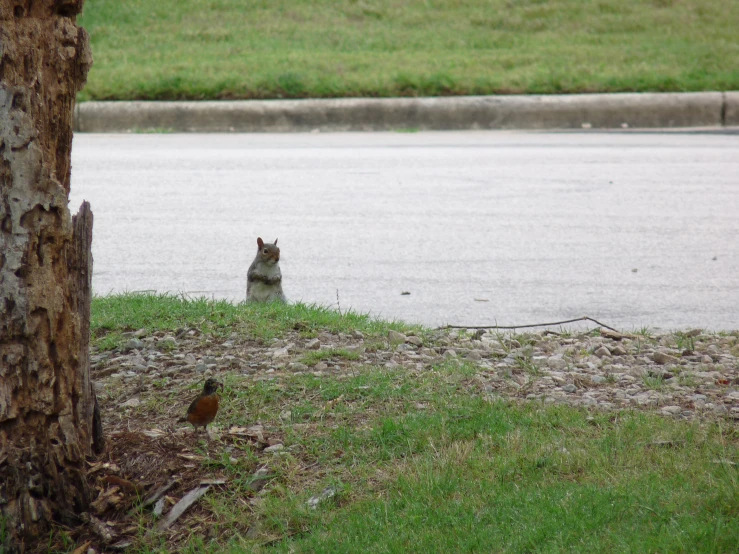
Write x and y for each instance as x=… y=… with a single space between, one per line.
x=46 y=401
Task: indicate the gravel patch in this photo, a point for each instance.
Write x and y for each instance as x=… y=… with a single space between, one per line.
x=684 y=375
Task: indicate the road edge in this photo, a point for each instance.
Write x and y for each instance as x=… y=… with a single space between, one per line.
x=525 y=112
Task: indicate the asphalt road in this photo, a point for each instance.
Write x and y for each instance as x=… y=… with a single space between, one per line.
x=480 y=227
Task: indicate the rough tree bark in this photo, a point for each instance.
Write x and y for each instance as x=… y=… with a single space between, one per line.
x=46 y=401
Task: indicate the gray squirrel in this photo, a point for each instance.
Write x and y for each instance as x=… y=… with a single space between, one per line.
x=264 y=278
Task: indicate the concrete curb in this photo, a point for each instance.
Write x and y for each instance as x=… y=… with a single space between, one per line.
x=597 y=111
x=731 y=109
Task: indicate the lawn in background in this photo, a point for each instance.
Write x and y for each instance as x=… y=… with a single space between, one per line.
x=220 y=49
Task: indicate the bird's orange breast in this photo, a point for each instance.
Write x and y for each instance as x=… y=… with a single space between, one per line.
x=203 y=410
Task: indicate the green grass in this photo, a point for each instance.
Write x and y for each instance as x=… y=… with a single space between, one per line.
x=424 y=462
x=312 y=358
x=113 y=315
x=464 y=474
x=212 y=49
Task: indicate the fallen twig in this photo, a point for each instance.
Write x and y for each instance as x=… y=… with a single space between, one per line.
x=584 y=318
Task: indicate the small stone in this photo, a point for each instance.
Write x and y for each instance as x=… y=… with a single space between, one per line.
x=357 y=334
x=663 y=358
x=327 y=493
x=619 y=351
x=313 y=344
x=415 y=341
x=280 y=353
x=274 y=448
x=706 y=359
x=131 y=403
x=297 y=366
x=597 y=379
x=720 y=409
x=569 y=388
x=450 y=353
x=602 y=351
x=394 y=336
x=167 y=343
x=671 y=410
x=556 y=363
x=133 y=344
x=321 y=366
x=558 y=378
x=200 y=368
x=474 y=355
x=140 y=333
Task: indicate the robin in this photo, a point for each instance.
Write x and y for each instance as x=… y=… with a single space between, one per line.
x=205 y=407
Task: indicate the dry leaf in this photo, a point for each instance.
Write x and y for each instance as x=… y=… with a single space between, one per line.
x=82 y=549
x=331 y=403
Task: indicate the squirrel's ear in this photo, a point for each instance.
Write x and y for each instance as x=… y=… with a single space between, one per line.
x=260 y=242
x=275 y=242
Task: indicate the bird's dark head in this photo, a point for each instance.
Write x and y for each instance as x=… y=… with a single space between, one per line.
x=212 y=386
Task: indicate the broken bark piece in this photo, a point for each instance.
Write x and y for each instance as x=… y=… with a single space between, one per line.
x=178 y=509
x=159 y=506
x=157 y=494
x=105 y=500
x=100 y=528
